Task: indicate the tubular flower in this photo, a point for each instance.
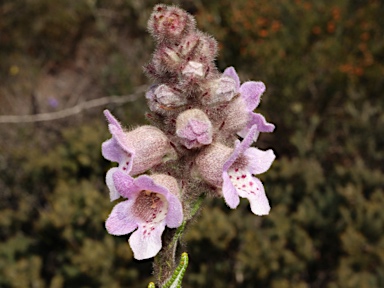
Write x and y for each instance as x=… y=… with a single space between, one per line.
x=136 y=151
x=153 y=203
x=232 y=170
x=250 y=92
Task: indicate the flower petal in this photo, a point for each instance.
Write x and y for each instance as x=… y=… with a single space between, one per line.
x=251 y=92
x=262 y=125
x=231 y=72
x=146 y=241
x=124 y=184
x=230 y=194
x=259 y=161
x=145 y=182
x=241 y=147
x=251 y=188
x=111 y=150
x=174 y=216
x=120 y=137
x=175 y=211
x=121 y=220
x=258 y=200
x=112 y=120
x=199 y=127
x=113 y=193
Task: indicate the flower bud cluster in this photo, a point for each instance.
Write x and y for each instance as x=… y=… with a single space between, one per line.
x=192 y=147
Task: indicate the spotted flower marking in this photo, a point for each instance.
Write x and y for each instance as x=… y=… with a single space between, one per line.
x=149 y=208
x=251 y=188
x=237 y=175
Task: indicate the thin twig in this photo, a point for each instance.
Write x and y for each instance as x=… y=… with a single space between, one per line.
x=7 y=119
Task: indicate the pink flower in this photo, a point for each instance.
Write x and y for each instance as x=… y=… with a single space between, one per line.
x=251 y=92
x=153 y=203
x=136 y=151
x=233 y=170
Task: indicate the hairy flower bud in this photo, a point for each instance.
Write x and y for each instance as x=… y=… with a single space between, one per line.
x=236 y=117
x=194 y=128
x=188 y=44
x=210 y=163
x=169 y=23
x=166 y=59
x=162 y=98
x=207 y=46
x=194 y=70
x=219 y=90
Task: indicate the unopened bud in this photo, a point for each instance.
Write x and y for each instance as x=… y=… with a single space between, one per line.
x=163 y=97
x=168 y=23
x=236 y=118
x=210 y=162
x=188 y=44
x=194 y=69
x=207 y=46
x=194 y=128
x=166 y=59
x=220 y=90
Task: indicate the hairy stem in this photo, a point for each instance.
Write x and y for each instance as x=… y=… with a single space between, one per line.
x=165 y=261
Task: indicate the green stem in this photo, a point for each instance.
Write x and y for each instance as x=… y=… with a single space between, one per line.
x=164 y=262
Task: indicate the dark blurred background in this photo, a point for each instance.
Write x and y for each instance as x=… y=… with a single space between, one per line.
x=323 y=64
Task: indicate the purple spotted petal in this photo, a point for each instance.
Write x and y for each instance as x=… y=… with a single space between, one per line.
x=259 y=161
x=121 y=220
x=231 y=72
x=251 y=188
x=146 y=244
x=251 y=92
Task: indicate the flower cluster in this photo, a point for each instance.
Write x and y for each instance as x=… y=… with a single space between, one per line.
x=192 y=147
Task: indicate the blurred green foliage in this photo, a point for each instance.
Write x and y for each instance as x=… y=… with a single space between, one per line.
x=323 y=64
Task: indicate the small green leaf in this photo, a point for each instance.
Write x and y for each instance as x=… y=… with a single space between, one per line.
x=177 y=276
